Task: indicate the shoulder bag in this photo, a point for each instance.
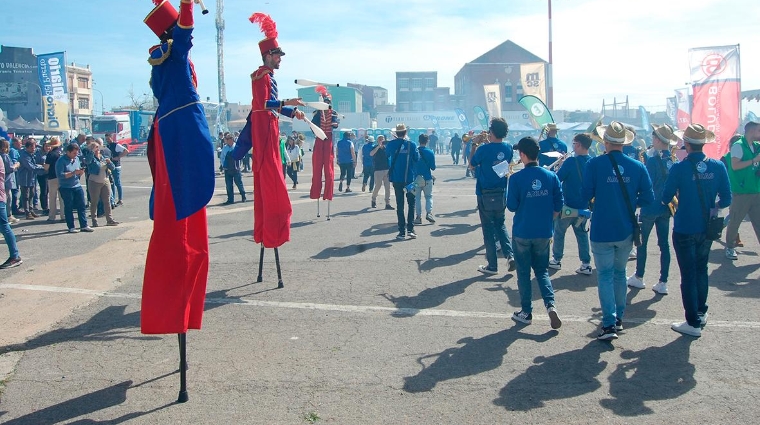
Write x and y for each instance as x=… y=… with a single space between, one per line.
x=631 y=214
x=713 y=225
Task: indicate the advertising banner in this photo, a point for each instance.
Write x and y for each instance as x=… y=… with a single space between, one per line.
x=444 y=119
x=670 y=110
x=463 y=121
x=717 y=92
x=493 y=99
x=533 y=79
x=482 y=117
x=51 y=68
x=644 y=119
x=683 y=111
x=537 y=110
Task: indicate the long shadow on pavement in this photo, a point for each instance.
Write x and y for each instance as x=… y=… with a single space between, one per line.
x=380 y=230
x=84 y=405
x=560 y=376
x=109 y=324
x=451 y=260
x=430 y=297
x=454 y=229
x=640 y=312
x=730 y=278
x=477 y=355
x=460 y=213
x=654 y=373
x=349 y=250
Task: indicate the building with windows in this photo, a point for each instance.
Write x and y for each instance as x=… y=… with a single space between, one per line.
x=415 y=91
x=344 y=99
x=500 y=65
x=80 y=95
x=373 y=97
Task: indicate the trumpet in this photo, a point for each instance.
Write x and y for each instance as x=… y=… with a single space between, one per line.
x=554 y=166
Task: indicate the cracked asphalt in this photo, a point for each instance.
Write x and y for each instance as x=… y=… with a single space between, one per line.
x=367 y=329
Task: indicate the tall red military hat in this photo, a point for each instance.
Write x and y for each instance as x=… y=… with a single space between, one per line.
x=269 y=28
x=162 y=18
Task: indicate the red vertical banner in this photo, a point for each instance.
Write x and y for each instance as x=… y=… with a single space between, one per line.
x=717 y=93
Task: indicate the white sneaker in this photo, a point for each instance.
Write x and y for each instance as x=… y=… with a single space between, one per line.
x=585 y=268
x=661 y=288
x=632 y=254
x=635 y=282
x=731 y=254
x=686 y=329
x=554 y=264
x=556 y=323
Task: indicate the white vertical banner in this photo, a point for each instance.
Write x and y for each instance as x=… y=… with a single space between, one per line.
x=532 y=78
x=493 y=100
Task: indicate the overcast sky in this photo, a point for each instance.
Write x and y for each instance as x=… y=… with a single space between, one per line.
x=602 y=48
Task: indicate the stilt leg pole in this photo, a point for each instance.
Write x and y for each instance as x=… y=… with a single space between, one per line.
x=182 y=398
x=261 y=264
x=328 y=210
x=317 y=207
x=279 y=272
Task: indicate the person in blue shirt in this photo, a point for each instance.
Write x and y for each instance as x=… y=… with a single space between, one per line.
x=402 y=159
x=15 y=154
x=550 y=144
x=696 y=202
x=535 y=196
x=570 y=174
x=68 y=169
x=368 y=169
x=346 y=160
x=656 y=215
x=611 y=224
x=490 y=189
x=425 y=167
x=231 y=168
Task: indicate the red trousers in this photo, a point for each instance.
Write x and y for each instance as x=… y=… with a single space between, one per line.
x=176 y=267
x=322 y=160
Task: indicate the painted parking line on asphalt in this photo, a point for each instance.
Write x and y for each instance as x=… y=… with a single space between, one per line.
x=360 y=309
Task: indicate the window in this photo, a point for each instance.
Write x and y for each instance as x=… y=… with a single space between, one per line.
x=429 y=83
x=344 y=106
x=403 y=84
x=519 y=90
x=84 y=103
x=403 y=106
x=508 y=91
x=83 y=83
x=416 y=83
x=416 y=106
x=430 y=106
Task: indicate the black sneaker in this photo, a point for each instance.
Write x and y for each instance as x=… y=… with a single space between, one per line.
x=389 y=207
x=618 y=325
x=374 y=204
x=511 y=263
x=11 y=263
x=607 y=333
x=523 y=317
x=340 y=187
x=401 y=236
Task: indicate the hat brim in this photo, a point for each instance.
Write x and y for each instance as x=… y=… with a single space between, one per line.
x=709 y=138
x=627 y=140
x=671 y=140
x=277 y=51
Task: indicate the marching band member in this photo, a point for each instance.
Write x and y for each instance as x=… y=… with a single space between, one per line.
x=550 y=144
x=656 y=215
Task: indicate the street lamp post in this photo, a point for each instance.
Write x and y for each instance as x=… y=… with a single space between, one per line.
x=102 y=107
x=549 y=77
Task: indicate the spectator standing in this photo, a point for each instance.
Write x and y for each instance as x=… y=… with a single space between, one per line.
x=231 y=169
x=368 y=168
x=117 y=153
x=68 y=168
x=14 y=260
x=744 y=172
x=380 y=165
x=39 y=158
x=402 y=159
x=54 y=196
x=294 y=160
x=346 y=160
x=424 y=179
x=27 y=178
x=98 y=184
x=455 y=145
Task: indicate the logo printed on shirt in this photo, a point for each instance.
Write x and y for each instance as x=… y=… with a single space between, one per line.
x=500 y=156
x=701 y=167
x=536 y=185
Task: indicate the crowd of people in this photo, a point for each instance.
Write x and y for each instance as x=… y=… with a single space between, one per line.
x=45 y=179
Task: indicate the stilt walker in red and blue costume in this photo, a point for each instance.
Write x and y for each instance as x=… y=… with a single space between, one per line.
x=323 y=155
x=181 y=158
x=271 y=202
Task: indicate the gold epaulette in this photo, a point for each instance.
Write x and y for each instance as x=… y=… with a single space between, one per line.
x=164 y=55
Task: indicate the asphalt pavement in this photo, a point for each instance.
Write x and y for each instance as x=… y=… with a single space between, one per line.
x=368 y=329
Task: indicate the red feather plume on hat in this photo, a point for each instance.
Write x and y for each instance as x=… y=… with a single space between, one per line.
x=267 y=25
x=323 y=91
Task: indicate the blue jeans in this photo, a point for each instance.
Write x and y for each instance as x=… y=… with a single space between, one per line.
x=347 y=172
x=409 y=223
x=73 y=199
x=369 y=174
x=428 y=191
x=692 y=252
x=5 y=229
x=661 y=223
x=493 y=227
x=229 y=178
x=116 y=173
x=533 y=254
x=610 y=259
x=581 y=235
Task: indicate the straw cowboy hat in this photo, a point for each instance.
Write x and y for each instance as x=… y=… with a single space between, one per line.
x=401 y=127
x=697 y=134
x=665 y=133
x=550 y=127
x=53 y=143
x=615 y=133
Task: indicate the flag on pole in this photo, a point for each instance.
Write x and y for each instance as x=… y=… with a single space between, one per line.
x=493 y=100
x=462 y=119
x=533 y=79
x=51 y=68
x=683 y=108
x=670 y=110
x=537 y=109
x=716 y=82
x=482 y=117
